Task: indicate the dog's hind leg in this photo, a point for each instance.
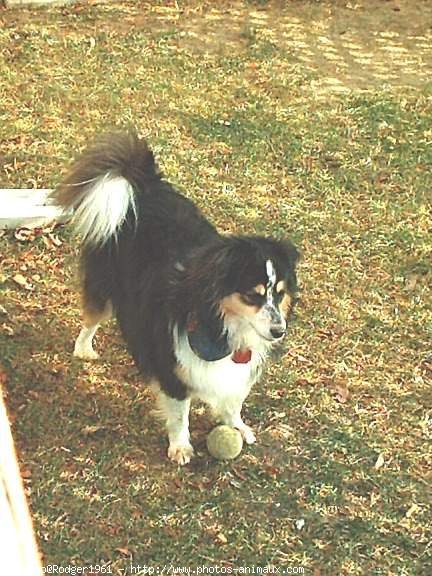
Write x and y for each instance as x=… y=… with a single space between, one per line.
x=91 y=319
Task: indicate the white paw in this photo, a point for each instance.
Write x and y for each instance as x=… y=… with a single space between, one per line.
x=247 y=434
x=85 y=354
x=180 y=453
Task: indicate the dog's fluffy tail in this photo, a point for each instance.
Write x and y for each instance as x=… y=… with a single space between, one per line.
x=102 y=185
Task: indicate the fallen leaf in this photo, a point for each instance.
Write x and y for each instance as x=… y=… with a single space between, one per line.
x=413 y=509
x=341 y=393
x=22 y=282
x=221 y=538
x=25 y=234
x=55 y=240
x=374 y=497
x=89 y=430
x=379 y=462
x=8 y=330
x=177 y=483
x=92 y=44
x=50 y=240
x=124 y=551
x=412 y=280
x=299 y=524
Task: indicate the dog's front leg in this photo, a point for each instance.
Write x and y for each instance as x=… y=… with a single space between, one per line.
x=175 y=414
x=229 y=413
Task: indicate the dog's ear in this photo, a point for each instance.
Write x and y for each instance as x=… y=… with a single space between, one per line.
x=201 y=282
x=289 y=254
x=212 y=268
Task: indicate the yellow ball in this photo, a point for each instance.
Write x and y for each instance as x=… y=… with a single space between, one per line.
x=224 y=442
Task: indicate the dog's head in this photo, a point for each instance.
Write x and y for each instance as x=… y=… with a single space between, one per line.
x=262 y=286
x=246 y=286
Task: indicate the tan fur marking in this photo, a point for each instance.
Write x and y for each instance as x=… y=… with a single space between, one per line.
x=280 y=286
x=233 y=305
x=285 y=304
x=91 y=317
x=260 y=289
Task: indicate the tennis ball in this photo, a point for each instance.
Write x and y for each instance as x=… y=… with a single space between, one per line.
x=224 y=442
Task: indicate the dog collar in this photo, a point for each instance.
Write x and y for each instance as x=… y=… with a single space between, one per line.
x=206 y=347
x=204 y=344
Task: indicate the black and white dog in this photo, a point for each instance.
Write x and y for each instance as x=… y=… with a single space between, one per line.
x=199 y=311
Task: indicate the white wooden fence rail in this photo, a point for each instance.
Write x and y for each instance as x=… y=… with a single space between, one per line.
x=28 y=208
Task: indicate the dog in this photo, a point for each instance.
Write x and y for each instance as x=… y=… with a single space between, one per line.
x=199 y=311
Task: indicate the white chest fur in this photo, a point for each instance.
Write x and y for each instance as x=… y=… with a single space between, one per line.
x=221 y=383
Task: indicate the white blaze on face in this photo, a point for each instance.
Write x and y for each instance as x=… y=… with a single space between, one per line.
x=271 y=275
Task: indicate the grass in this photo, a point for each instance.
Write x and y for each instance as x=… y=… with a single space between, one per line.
x=339 y=481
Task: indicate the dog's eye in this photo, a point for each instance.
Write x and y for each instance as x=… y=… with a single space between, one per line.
x=252 y=298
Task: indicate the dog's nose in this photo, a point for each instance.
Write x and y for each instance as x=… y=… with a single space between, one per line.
x=277 y=332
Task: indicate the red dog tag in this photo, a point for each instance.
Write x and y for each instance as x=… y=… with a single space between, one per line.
x=242 y=356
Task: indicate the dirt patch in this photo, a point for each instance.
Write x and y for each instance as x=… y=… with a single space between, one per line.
x=360 y=45
x=364 y=45
x=345 y=45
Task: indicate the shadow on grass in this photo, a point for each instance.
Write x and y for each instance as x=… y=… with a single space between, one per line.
x=100 y=483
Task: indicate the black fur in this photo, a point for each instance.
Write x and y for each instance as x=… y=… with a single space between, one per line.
x=167 y=262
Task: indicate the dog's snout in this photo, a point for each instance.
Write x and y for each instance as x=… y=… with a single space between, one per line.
x=277 y=332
